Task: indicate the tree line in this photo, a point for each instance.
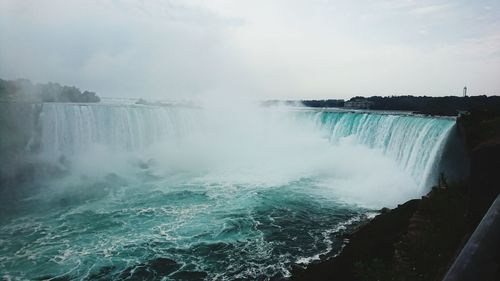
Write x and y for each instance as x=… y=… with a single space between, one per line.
x=448 y=105
x=23 y=90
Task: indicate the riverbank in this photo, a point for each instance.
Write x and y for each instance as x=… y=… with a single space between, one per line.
x=419 y=239
x=390 y=247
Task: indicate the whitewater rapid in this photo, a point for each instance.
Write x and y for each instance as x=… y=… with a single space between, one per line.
x=138 y=191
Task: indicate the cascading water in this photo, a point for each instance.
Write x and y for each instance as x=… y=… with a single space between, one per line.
x=413 y=141
x=67 y=129
x=149 y=192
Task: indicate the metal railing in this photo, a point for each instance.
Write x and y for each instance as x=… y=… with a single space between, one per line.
x=478 y=260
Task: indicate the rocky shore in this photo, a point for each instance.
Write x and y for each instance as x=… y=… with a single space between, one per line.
x=420 y=239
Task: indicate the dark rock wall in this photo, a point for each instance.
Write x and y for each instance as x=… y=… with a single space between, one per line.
x=454 y=162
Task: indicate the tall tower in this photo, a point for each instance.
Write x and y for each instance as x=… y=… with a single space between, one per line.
x=465 y=91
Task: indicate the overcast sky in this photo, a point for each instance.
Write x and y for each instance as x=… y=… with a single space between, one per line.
x=184 y=49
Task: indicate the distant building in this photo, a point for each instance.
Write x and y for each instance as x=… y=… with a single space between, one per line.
x=358 y=104
x=465 y=91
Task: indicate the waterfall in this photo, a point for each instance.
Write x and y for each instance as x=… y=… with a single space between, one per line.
x=67 y=128
x=415 y=142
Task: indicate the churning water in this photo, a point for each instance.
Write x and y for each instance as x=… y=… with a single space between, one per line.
x=176 y=193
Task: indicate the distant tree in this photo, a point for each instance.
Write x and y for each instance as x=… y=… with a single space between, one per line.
x=22 y=90
x=449 y=105
x=88 y=96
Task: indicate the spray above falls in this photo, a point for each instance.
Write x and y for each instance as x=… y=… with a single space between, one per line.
x=251 y=145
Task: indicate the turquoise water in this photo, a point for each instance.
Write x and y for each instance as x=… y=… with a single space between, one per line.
x=150 y=193
x=209 y=231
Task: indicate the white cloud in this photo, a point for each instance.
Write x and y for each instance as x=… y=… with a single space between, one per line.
x=261 y=49
x=431 y=9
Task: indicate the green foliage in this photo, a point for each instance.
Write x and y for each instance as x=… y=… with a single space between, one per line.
x=22 y=90
x=323 y=103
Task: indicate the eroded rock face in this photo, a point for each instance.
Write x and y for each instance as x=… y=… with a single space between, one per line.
x=484 y=184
